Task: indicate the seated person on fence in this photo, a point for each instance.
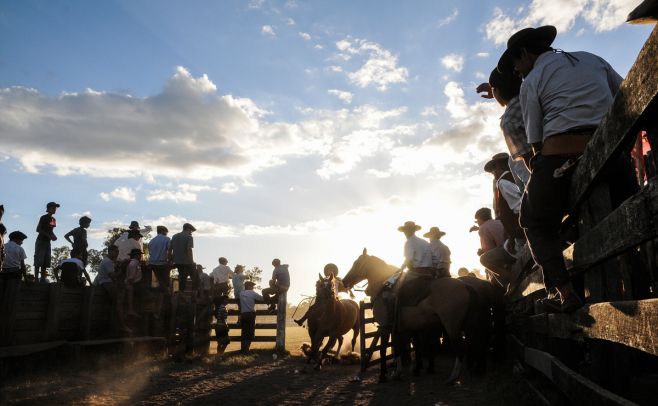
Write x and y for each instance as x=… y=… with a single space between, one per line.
x=133 y=276
x=160 y=265
x=564 y=96
x=279 y=283
x=491 y=233
x=13 y=266
x=220 y=276
x=248 y=300
x=72 y=271
x=238 y=280
x=329 y=269
x=106 y=279
x=507 y=203
x=413 y=286
x=205 y=282
x=221 y=328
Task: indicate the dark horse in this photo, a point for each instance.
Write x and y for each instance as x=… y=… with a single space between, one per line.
x=448 y=304
x=332 y=317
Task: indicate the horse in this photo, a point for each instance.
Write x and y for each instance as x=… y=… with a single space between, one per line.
x=333 y=317
x=448 y=304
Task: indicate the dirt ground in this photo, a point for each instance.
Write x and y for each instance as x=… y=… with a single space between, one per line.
x=254 y=379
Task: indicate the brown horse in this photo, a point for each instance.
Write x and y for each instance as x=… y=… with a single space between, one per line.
x=332 y=317
x=448 y=304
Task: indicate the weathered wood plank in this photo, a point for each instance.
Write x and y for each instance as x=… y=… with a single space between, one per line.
x=631 y=323
x=606 y=239
x=85 y=313
x=257 y=339
x=258 y=326
x=620 y=125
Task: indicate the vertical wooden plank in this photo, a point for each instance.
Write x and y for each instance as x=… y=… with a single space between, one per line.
x=362 y=336
x=190 y=315
x=85 y=314
x=173 y=314
x=282 y=306
x=8 y=311
x=54 y=306
x=592 y=211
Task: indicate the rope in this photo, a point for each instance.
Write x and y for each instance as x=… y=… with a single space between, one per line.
x=300 y=303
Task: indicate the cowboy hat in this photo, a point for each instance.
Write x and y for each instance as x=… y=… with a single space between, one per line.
x=409 y=225
x=544 y=35
x=501 y=156
x=434 y=232
x=134 y=225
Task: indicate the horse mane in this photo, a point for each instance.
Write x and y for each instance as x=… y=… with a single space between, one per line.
x=384 y=271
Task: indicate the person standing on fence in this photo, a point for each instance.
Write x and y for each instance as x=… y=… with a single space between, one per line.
x=279 y=284
x=106 y=278
x=79 y=242
x=42 y=254
x=504 y=87
x=248 y=300
x=182 y=245
x=564 y=97
x=220 y=276
x=440 y=251
x=507 y=203
x=13 y=266
x=205 y=281
x=159 y=264
x=133 y=242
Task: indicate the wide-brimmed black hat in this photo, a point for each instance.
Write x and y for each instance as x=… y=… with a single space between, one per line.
x=501 y=156
x=544 y=35
x=17 y=235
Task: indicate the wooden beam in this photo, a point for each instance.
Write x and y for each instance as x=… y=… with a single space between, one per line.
x=629 y=225
x=580 y=390
x=631 y=323
x=621 y=124
x=10 y=297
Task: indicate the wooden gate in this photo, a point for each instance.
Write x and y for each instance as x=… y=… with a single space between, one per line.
x=370 y=337
x=608 y=350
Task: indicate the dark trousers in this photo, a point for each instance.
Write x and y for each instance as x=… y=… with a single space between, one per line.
x=162 y=275
x=546 y=202
x=271 y=295
x=183 y=271
x=248 y=327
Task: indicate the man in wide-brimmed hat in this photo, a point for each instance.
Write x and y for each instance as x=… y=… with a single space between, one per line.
x=440 y=251
x=182 y=245
x=563 y=98
x=507 y=196
x=417 y=253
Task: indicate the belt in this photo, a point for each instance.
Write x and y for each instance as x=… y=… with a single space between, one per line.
x=567 y=143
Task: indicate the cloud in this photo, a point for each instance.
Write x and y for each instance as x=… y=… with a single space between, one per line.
x=181 y=193
x=482 y=54
x=120 y=193
x=268 y=30
x=255 y=4
x=447 y=20
x=342 y=95
x=453 y=61
x=305 y=36
x=290 y=21
x=380 y=68
x=602 y=15
x=229 y=187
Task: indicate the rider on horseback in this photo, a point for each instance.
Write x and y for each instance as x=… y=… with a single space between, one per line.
x=329 y=269
x=418 y=259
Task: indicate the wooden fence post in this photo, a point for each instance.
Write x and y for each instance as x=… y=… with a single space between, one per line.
x=362 y=336
x=85 y=314
x=8 y=310
x=282 y=307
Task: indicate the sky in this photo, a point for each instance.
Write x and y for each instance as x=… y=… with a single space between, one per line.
x=299 y=130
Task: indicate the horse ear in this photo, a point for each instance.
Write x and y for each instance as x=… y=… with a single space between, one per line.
x=331 y=276
x=320 y=276
x=365 y=251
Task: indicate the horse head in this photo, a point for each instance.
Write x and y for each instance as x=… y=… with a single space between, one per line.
x=325 y=288
x=358 y=272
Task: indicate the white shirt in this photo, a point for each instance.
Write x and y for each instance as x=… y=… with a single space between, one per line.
x=126 y=246
x=222 y=273
x=14 y=254
x=417 y=252
x=104 y=270
x=511 y=193
x=248 y=300
x=440 y=254
x=561 y=93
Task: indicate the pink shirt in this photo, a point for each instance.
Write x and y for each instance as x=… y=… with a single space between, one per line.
x=492 y=234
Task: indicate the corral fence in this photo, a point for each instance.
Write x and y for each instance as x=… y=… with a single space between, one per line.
x=606 y=352
x=370 y=338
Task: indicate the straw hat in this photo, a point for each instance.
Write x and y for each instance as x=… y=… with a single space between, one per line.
x=434 y=232
x=409 y=225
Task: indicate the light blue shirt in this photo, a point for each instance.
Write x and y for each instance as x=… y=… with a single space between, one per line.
x=158 y=248
x=562 y=93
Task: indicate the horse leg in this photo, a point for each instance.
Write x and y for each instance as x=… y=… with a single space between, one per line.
x=330 y=344
x=432 y=340
x=355 y=335
x=457 y=345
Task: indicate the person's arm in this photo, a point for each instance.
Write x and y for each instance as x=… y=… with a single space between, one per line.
x=68 y=235
x=511 y=193
x=24 y=270
x=486 y=89
x=190 y=245
x=84 y=271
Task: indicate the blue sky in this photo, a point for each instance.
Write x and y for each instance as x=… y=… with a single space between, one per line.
x=291 y=129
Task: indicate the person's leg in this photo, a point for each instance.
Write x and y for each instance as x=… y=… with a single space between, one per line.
x=268 y=294
x=130 y=295
x=499 y=262
x=182 y=277
x=301 y=320
x=195 y=277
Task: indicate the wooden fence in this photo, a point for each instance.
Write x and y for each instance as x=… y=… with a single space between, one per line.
x=370 y=340
x=606 y=352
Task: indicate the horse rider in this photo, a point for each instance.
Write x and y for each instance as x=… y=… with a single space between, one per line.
x=418 y=260
x=440 y=251
x=329 y=269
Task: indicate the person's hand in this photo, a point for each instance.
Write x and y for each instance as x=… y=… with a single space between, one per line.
x=474 y=228
x=485 y=88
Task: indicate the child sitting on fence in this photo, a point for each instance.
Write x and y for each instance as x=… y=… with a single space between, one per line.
x=221 y=328
x=133 y=276
x=72 y=270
